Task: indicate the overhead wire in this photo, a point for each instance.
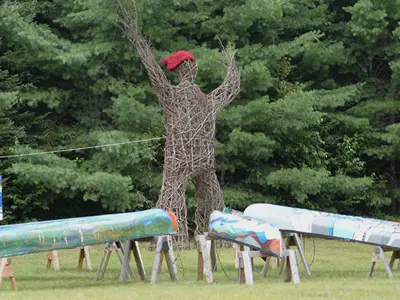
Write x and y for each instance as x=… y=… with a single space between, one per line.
x=180 y=258
x=304 y=247
x=81 y=148
x=222 y=267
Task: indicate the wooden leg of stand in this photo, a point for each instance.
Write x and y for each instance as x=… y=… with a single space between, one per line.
x=283 y=262
x=49 y=259
x=386 y=265
x=126 y=260
x=121 y=248
x=242 y=275
x=292 y=273
x=395 y=255
x=81 y=257
x=236 y=250
x=213 y=255
x=105 y=264
x=164 y=248
x=252 y=262
x=157 y=260
x=100 y=266
x=266 y=266
x=139 y=261
x=208 y=249
x=129 y=273
x=200 y=264
x=206 y=259
x=171 y=267
x=3 y=262
x=6 y=270
x=288 y=273
x=248 y=269
x=173 y=271
x=293 y=266
x=378 y=255
x=371 y=270
x=86 y=252
x=52 y=258
x=161 y=262
x=302 y=254
x=275 y=262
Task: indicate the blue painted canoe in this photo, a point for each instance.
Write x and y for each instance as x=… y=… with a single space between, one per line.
x=34 y=237
x=257 y=235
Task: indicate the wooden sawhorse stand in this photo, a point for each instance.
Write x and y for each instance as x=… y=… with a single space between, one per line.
x=238 y=248
x=109 y=248
x=293 y=239
x=52 y=258
x=244 y=258
x=163 y=248
x=131 y=246
x=378 y=255
x=206 y=257
x=246 y=267
x=6 y=270
x=84 y=254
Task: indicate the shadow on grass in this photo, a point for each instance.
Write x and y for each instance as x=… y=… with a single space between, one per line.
x=70 y=282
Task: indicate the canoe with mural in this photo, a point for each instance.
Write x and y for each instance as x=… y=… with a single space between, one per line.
x=316 y=223
x=35 y=237
x=256 y=235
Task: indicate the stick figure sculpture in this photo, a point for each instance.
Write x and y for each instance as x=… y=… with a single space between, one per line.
x=189 y=123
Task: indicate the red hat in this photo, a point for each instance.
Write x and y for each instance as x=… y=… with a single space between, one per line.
x=175 y=59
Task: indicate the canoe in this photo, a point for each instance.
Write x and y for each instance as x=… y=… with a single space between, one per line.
x=256 y=235
x=316 y=223
x=35 y=237
x=232 y=211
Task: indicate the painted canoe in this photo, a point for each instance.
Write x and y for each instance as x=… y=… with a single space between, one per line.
x=256 y=235
x=316 y=223
x=35 y=237
x=232 y=211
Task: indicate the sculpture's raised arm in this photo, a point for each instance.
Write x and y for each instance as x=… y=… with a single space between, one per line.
x=129 y=24
x=229 y=89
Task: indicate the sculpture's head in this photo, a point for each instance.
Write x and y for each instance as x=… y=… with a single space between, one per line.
x=183 y=63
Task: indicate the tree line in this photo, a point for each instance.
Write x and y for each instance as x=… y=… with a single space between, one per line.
x=316 y=123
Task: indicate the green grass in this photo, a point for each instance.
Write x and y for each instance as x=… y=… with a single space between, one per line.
x=338 y=272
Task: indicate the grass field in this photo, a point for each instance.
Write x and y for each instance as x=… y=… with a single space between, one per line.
x=338 y=272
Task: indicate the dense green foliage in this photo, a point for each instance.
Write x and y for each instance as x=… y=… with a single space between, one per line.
x=316 y=124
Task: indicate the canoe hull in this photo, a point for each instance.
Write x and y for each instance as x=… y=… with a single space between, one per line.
x=256 y=235
x=316 y=223
x=35 y=237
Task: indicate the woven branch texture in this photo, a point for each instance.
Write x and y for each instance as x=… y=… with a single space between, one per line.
x=189 y=123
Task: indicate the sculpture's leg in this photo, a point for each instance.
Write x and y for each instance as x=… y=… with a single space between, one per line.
x=172 y=198
x=209 y=197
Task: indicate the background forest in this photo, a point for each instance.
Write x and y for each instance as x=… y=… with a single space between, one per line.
x=316 y=124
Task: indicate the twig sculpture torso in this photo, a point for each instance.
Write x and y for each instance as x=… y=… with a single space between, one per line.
x=189 y=122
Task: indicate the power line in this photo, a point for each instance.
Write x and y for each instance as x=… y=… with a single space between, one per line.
x=81 y=148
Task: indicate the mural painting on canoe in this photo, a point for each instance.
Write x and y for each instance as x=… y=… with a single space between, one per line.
x=34 y=237
x=366 y=230
x=257 y=235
